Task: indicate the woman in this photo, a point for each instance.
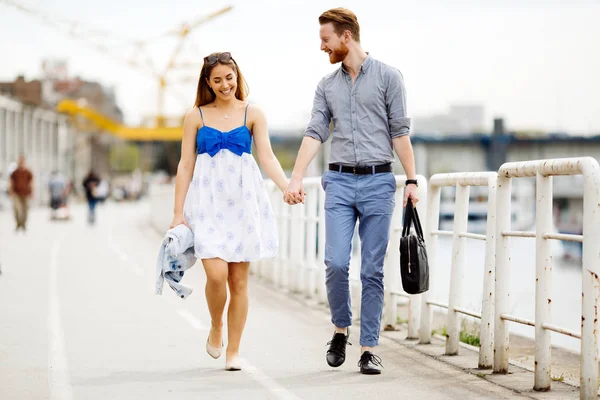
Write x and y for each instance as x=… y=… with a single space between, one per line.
x=220 y=194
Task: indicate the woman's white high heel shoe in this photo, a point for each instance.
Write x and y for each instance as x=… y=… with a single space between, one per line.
x=234 y=364
x=214 y=352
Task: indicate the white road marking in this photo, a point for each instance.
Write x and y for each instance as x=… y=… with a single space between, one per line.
x=194 y=322
x=268 y=383
x=123 y=256
x=59 y=381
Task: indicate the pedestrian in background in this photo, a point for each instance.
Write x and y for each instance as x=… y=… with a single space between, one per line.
x=90 y=185
x=21 y=191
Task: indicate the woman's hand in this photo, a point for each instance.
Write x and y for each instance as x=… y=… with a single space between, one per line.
x=178 y=219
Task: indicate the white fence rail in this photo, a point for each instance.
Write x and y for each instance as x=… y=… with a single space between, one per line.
x=462 y=183
x=299 y=266
x=543 y=170
x=301 y=243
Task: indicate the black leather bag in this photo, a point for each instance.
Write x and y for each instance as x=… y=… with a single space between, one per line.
x=414 y=267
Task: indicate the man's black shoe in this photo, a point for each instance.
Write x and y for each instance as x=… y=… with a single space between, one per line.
x=370 y=364
x=336 y=355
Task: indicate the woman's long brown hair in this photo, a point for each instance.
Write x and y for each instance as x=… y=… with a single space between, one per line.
x=205 y=95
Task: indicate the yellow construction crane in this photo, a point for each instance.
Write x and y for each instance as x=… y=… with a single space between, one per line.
x=182 y=32
x=159 y=131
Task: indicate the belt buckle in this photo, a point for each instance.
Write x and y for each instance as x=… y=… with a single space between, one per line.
x=354 y=170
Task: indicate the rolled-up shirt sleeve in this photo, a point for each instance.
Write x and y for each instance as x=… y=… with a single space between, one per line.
x=395 y=99
x=318 y=128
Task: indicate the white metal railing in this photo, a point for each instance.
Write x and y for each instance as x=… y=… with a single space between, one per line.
x=298 y=266
x=301 y=228
x=462 y=183
x=392 y=282
x=543 y=170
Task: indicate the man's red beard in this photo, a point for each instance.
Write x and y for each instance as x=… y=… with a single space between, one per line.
x=339 y=54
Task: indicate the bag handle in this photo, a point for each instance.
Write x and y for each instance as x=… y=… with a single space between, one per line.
x=411 y=216
x=408 y=213
x=417 y=223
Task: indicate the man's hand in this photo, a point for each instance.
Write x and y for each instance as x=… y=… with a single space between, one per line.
x=294 y=193
x=411 y=191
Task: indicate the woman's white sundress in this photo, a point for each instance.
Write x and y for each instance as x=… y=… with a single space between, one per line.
x=227 y=206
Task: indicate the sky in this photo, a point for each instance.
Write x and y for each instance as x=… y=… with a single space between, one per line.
x=534 y=63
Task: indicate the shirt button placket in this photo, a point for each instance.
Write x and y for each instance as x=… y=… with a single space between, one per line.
x=354 y=122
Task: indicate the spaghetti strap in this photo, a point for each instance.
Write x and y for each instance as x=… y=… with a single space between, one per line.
x=246 y=113
x=201 y=116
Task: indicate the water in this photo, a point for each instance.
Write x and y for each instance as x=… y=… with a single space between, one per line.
x=566 y=285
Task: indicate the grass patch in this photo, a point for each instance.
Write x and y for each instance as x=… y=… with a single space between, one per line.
x=471 y=338
x=560 y=378
x=442 y=332
x=480 y=374
x=400 y=320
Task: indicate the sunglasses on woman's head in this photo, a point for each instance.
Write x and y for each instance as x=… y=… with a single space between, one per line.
x=222 y=57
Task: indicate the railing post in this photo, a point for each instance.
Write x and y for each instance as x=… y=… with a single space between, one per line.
x=591 y=280
x=431 y=224
x=502 y=306
x=312 y=263
x=543 y=283
x=457 y=268
x=269 y=267
x=391 y=265
x=277 y=263
x=297 y=261
x=414 y=310
x=486 y=329
x=284 y=247
x=321 y=289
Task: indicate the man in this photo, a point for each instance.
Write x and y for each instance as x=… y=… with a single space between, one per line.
x=366 y=100
x=90 y=185
x=21 y=189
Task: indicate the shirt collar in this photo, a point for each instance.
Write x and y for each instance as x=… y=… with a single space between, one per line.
x=363 y=67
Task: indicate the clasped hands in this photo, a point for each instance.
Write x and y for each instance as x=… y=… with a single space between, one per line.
x=294 y=193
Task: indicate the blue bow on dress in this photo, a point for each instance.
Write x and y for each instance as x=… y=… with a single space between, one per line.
x=211 y=141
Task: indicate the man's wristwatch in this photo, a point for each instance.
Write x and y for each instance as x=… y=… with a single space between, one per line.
x=413 y=181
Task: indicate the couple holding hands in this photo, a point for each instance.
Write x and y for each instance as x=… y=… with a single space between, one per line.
x=220 y=192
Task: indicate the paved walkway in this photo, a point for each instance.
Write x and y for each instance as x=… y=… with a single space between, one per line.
x=79 y=320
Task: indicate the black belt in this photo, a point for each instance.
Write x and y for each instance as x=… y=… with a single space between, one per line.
x=362 y=170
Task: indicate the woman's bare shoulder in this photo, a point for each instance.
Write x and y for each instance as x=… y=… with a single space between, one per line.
x=255 y=112
x=192 y=116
